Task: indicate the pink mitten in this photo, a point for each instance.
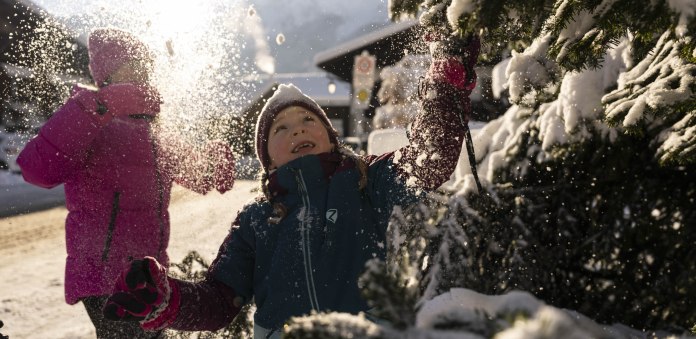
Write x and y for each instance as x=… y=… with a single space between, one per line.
x=223 y=165
x=453 y=61
x=144 y=293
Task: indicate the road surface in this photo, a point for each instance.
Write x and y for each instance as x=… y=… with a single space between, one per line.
x=32 y=260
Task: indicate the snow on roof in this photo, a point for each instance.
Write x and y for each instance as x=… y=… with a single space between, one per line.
x=314 y=85
x=16 y=71
x=362 y=41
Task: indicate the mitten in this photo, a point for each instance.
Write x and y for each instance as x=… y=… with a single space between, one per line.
x=220 y=154
x=126 y=99
x=144 y=293
x=453 y=61
x=451 y=76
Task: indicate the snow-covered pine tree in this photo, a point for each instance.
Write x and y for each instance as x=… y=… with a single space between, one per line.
x=590 y=174
x=592 y=170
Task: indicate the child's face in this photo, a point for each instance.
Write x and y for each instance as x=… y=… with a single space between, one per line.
x=131 y=72
x=296 y=132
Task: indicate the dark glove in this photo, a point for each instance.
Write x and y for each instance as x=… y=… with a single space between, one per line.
x=453 y=62
x=144 y=293
x=126 y=99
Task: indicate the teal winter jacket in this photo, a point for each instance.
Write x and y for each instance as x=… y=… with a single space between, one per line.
x=312 y=258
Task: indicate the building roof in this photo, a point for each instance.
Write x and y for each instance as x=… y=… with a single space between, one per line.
x=389 y=45
x=315 y=85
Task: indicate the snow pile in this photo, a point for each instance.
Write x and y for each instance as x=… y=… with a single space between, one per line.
x=686 y=10
x=331 y=325
x=517 y=315
x=575 y=114
x=463 y=313
x=531 y=74
x=499 y=79
x=458 y=8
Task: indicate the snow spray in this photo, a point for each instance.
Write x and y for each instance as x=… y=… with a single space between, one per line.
x=199 y=67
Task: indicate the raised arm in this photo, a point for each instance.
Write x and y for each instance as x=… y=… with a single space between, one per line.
x=61 y=145
x=64 y=140
x=198 y=168
x=437 y=134
x=145 y=293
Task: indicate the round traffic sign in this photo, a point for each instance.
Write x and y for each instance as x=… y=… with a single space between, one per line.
x=364 y=64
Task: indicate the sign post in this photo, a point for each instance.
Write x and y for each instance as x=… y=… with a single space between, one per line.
x=363 y=79
x=363 y=82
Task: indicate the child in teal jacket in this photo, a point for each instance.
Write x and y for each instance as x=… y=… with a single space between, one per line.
x=302 y=246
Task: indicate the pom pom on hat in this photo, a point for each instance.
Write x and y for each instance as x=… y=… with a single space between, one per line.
x=286 y=96
x=110 y=48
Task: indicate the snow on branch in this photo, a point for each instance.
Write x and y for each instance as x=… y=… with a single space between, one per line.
x=659 y=93
x=679 y=142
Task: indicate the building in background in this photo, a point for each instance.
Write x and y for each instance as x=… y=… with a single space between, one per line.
x=39 y=58
x=393 y=48
x=372 y=52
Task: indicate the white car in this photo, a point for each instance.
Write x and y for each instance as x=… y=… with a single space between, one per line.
x=386 y=140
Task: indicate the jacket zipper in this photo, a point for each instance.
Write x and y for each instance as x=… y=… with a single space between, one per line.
x=160 y=197
x=112 y=225
x=304 y=231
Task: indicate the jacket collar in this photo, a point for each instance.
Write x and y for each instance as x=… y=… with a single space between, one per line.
x=314 y=170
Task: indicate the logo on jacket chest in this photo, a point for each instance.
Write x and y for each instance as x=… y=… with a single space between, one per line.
x=332 y=215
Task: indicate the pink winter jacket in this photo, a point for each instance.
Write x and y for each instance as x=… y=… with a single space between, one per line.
x=117 y=184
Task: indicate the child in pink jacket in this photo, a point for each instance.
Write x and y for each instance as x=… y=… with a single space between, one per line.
x=103 y=146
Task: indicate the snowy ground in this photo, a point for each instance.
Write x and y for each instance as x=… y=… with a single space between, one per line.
x=7 y=178
x=32 y=252
x=32 y=248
